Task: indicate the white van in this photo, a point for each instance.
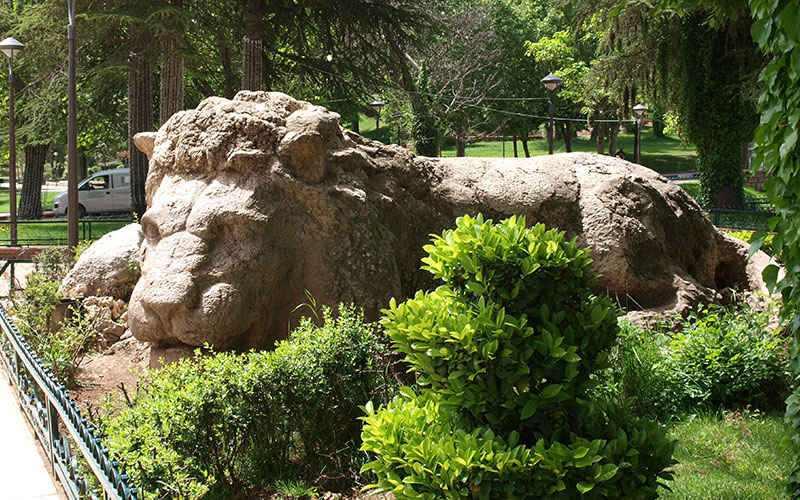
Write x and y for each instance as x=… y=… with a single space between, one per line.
x=104 y=192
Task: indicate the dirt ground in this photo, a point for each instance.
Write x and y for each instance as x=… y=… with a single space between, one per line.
x=106 y=373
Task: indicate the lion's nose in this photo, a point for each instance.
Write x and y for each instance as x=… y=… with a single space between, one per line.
x=169 y=291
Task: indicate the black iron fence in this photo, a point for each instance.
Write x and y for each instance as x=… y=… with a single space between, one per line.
x=89 y=474
x=754 y=214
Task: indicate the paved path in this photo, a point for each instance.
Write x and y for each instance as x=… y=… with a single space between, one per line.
x=23 y=475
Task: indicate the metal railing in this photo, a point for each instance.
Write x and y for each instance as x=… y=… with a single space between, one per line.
x=47 y=405
x=754 y=214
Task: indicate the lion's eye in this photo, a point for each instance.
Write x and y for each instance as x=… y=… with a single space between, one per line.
x=150 y=229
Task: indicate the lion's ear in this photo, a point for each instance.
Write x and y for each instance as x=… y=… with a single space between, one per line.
x=145 y=141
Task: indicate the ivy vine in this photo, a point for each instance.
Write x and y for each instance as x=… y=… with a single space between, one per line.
x=776 y=30
x=716 y=113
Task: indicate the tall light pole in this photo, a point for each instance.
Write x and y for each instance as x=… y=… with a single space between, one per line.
x=551 y=82
x=639 y=110
x=72 y=138
x=377 y=106
x=9 y=46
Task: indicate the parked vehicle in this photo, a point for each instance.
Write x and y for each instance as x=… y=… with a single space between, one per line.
x=104 y=192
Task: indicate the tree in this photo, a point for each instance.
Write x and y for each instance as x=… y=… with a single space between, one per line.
x=40 y=85
x=140 y=119
x=252 y=57
x=171 y=78
x=716 y=107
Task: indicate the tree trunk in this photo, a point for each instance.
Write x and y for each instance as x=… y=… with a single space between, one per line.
x=30 y=200
x=612 y=142
x=83 y=165
x=229 y=80
x=461 y=148
x=514 y=138
x=565 y=128
x=171 y=91
x=423 y=129
x=252 y=56
x=354 y=126
x=601 y=149
x=524 y=139
x=140 y=119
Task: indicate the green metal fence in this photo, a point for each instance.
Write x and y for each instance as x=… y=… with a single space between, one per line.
x=754 y=214
x=48 y=407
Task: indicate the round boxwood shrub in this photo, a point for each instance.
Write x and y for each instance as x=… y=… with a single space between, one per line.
x=505 y=353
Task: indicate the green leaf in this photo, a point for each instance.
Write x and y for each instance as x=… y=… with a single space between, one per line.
x=760 y=31
x=585 y=486
x=755 y=243
x=529 y=409
x=551 y=391
x=580 y=452
x=770 y=275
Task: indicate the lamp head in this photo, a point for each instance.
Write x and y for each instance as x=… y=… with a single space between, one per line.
x=9 y=46
x=551 y=81
x=377 y=105
x=639 y=110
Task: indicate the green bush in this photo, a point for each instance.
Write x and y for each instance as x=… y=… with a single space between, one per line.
x=722 y=357
x=504 y=352
x=228 y=421
x=59 y=346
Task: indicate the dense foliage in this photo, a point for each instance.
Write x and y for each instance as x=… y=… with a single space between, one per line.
x=60 y=342
x=505 y=351
x=775 y=30
x=716 y=106
x=229 y=421
x=720 y=358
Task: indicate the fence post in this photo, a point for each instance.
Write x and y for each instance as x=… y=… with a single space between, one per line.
x=52 y=434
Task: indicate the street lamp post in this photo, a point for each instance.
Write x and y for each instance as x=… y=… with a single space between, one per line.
x=377 y=106
x=9 y=46
x=639 y=110
x=551 y=82
x=72 y=138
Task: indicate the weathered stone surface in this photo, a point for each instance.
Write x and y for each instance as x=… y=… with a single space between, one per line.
x=104 y=269
x=255 y=200
x=107 y=316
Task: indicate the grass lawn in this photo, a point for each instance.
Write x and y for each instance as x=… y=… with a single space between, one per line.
x=662 y=154
x=47 y=199
x=54 y=231
x=729 y=457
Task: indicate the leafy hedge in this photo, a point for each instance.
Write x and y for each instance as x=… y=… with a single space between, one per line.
x=505 y=353
x=230 y=421
x=721 y=358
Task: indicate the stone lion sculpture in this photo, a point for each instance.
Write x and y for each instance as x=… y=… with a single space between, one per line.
x=254 y=202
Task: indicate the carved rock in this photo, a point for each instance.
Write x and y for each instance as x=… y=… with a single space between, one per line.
x=255 y=200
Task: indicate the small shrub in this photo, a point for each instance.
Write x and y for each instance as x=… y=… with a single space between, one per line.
x=729 y=358
x=60 y=346
x=722 y=357
x=505 y=353
x=228 y=421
